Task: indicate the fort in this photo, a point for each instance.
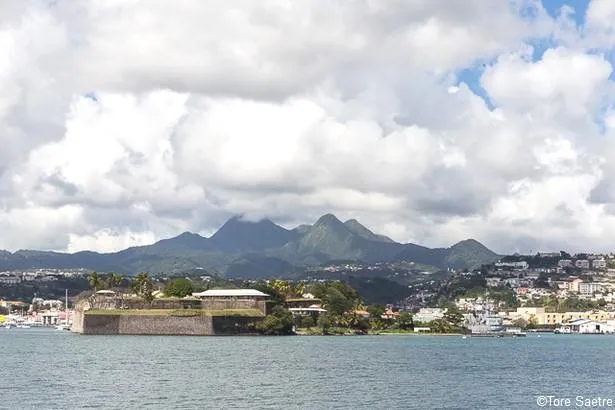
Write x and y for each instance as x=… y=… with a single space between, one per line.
x=213 y=312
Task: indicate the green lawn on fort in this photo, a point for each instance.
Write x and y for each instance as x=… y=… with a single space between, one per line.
x=177 y=312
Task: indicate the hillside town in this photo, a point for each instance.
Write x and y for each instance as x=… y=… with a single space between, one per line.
x=554 y=291
x=16 y=277
x=544 y=291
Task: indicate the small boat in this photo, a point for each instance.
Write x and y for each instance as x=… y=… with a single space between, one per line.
x=7 y=326
x=23 y=326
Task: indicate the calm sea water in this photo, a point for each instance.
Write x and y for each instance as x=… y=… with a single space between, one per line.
x=48 y=369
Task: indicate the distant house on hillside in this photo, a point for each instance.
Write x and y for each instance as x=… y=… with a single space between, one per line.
x=599 y=263
x=425 y=315
x=521 y=265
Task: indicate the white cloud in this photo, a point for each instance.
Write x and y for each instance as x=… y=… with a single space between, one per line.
x=107 y=241
x=563 y=83
x=600 y=14
x=122 y=122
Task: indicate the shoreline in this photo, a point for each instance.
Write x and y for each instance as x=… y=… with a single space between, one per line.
x=418 y=334
x=380 y=334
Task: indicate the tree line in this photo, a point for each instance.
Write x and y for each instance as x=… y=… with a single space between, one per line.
x=141 y=285
x=345 y=310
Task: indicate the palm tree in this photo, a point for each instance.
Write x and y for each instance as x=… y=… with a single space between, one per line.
x=298 y=289
x=142 y=286
x=95 y=281
x=114 y=280
x=287 y=289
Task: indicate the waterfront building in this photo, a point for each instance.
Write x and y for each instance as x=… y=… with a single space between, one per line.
x=302 y=302
x=543 y=318
x=50 y=318
x=307 y=305
x=585 y=326
x=315 y=311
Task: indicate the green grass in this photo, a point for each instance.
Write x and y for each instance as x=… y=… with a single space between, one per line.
x=397 y=331
x=177 y=312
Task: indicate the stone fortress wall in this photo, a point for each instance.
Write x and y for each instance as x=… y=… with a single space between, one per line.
x=125 y=323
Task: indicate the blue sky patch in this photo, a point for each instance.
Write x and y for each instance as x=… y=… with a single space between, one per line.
x=553 y=7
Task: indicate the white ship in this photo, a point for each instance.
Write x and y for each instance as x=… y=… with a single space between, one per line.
x=490 y=325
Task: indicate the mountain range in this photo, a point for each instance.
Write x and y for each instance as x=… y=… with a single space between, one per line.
x=248 y=249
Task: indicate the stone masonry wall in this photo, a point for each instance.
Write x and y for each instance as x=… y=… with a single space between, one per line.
x=166 y=325
x=146 y=325
x=229 y=325
x=101 y=324
x=222 y=304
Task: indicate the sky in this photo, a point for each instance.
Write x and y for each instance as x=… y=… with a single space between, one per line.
x=123 y=122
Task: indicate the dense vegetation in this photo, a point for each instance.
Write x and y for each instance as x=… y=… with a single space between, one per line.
x=277 y=323
x=178 y=287
x=346 y=311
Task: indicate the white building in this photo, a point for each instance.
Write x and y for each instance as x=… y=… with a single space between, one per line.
x=585 y=326
x=575 y=285
x=549 y=254
x=512 y=265
x=28 y=276
x=582 y=264
x=493 y=282
x=588 y=288
x=425 y=315
x=599 y=264
x=9 y=279
x=511 y=282
x=564 y=263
